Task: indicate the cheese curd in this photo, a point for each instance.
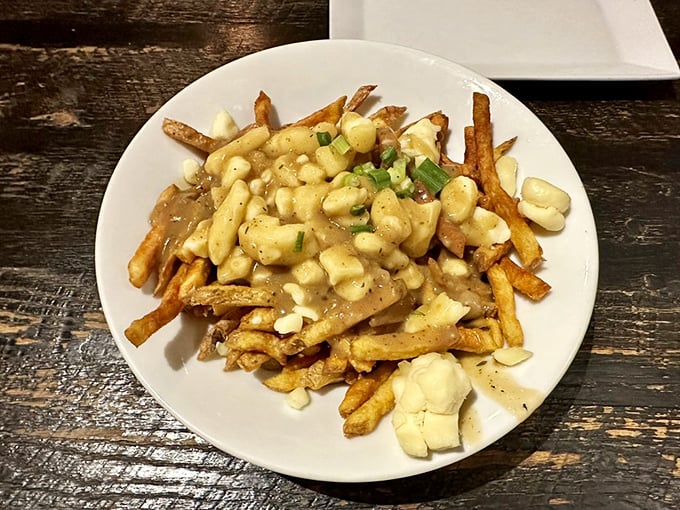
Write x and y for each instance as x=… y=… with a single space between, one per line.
x=544 y=203
x=429 y=391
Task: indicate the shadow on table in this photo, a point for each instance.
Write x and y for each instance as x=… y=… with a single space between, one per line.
x=480 y=469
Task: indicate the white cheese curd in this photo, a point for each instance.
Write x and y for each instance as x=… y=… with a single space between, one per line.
x=419 y=141
x=298 y=398
x=223 y=126
x=429 y=391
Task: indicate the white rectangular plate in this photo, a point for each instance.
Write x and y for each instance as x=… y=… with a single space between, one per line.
x=521 y=39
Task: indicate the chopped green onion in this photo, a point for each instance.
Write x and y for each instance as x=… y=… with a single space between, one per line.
x=397 y=171
x=324 y=138
x=351 y=180
x=340 y=145
x=388 y=156
x=407 y=191
x=298 y=241
x=356 y=229
x=363 y=168
x=357 y=209
x=431 y=175
x=381 y=178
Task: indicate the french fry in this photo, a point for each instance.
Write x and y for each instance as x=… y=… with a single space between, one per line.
x=402 y=345
x=522 y=236
x=258 y=341
x=486 y=256
x=359 y=97
x=504 y=147
x=387 y=292
x=363 y=387
x=524 y=281
x=329 y=113
x=263 y=105
x=143 y=262
x=313 y=377
x=260 y=319
x=216 y=334
x=505 y=300
x=388 y=115
x=216 y=294
x=186 y=134
x=482 y=338
x=250 y=361
x=197 y=274
x=366 y=418
x=169 y=308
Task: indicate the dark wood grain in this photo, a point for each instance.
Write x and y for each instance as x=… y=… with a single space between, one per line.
x=78 y=79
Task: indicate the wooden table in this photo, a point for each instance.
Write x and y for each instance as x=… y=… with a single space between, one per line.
x=77 y=79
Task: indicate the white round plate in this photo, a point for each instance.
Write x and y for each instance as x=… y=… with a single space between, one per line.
x=233 y=410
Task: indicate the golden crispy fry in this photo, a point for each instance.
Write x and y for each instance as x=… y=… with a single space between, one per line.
x=469 y=167
x=486 y=256
x=401 y=345
x=308 y=358
x=437 y=118
x=263 y=105
x=365 y=386
x=197 y=275
x=216 y=334
x=502 y=204
x=250 y=361
x=442 y=121
x=386 y=293
x=313 y=377
x=338 y=357
x=143 y=262
x=388 y=115
x=260 y=319
x=505 y=300
x=329 y=113
x=188 y=135
x=480 y=337
x=524 y=281
x=366 y=418
x=359 y=97
x=258 y=341
x=230 y=295
x=503 y=148
x=170 y=306
x=148 y=253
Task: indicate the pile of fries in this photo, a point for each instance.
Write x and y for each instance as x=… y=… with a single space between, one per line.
x=316 y=266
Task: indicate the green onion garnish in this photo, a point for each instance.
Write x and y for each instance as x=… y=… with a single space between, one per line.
x=340 y=145
x=324 y=138
x=351 y=180
x=381 y=178
x=397 y=171
x=363 y=168
x=431 y=175
x=356 y=229
x=357 y=209
x=298 y=241
x=406 y=192
x=388 y=156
